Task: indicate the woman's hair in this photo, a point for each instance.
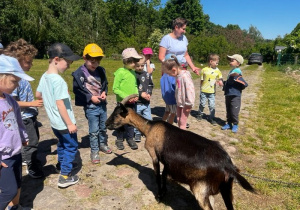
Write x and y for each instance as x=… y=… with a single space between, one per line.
x=212 y=56
x=179 y=22
x=170 y=63
x=20 y=49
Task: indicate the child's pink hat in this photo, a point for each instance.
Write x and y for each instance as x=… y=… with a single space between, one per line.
x=147 y=51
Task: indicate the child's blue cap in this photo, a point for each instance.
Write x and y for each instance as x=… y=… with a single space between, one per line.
x=10 y=65
x=169 y=56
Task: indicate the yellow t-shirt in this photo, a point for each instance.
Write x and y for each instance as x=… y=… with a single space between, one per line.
x=209 y=77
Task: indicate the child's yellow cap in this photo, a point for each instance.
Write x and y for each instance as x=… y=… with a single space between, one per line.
x=93 y=50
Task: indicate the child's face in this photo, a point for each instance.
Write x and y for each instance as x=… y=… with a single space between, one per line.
x=26 y=63
x=139 y=67
x=234 y=63
x=214 y=63
x=92 y=63
x=148 y=56
x=173 y=72
x=62 y=64
x=8 y=83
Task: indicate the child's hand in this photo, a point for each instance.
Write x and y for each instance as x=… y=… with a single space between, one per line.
x=37 y=103
x=220 y=83
x=3 y=165
x=72 y=128
x=102 y=97
x=133 y=100
x=144 y=95
x=25 y=143
x=95 y=99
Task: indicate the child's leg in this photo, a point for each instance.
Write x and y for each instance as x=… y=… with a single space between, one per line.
x=139 y=110
x=102 y=127
x=69 y=147
x=179 y=113
x=93 y=116
x=211 y=105
x=228 y=109
x=147 y=112
x=166 y=115
x=173 y=111
x=203 y=99
x=10 y=181
x=184 y=116
x=235 y=109
x=171 y=118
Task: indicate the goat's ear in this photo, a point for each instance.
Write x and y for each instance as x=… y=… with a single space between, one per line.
x=124 y=111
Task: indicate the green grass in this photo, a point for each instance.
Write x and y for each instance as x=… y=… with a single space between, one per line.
x=276 y=136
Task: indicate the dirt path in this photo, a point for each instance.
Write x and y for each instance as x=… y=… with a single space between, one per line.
x=125 y=179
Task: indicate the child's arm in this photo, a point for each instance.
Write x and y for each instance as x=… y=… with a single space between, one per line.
x=36 y=103
x=149 y=68
x=38 y=95
x=64 y=114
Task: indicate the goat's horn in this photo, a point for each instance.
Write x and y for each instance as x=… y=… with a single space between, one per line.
x=124 y=101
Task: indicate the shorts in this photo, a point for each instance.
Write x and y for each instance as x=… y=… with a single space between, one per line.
x=171 y=108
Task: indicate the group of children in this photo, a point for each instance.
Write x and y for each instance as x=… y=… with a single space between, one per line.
x=19 y=125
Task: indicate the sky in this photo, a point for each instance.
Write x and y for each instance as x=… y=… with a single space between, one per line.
x=270 y=17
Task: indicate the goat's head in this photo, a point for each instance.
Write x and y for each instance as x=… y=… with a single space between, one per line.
x=119 y=116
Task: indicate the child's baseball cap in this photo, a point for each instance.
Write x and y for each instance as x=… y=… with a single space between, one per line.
x=130 y=53
x=93 y=50
x=237 y=57
x=62 y=51
x=147 y=51
x=10 y=65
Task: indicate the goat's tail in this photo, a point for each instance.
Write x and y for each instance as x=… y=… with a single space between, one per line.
x=242 y=181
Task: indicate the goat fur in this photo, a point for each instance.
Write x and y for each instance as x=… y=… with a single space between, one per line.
x=188 y=158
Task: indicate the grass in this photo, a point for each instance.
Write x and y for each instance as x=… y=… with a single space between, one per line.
x=274 y=146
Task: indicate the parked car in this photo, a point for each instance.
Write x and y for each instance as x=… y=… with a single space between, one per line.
x=255 y=58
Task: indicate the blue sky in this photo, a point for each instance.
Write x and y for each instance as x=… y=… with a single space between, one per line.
x=270 y=17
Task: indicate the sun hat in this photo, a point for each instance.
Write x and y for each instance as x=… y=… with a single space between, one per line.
x=10 y=65
x=130 y=53
x=93 y=50
x=62 y=51
x=1 y=46
x=147 y=51
x=237 y=57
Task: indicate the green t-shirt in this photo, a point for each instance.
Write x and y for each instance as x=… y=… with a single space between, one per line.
x=124 y=83
x=209 y=76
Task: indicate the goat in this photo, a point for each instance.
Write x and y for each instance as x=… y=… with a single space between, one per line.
x=188 y=158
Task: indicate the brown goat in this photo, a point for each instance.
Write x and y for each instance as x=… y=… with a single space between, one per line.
x=187 y=157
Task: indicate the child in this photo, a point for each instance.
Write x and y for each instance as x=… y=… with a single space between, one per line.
x=145 y=87
x=185 y=91
x=209 y=76
x=25 y=53
x=90 y=89
x=149 y=66
x=233 y=92
x=54 y=91
x=168 y=86
x=125 y=85
x=12 y=133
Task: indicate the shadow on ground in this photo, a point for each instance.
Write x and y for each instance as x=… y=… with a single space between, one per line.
x=184 y=198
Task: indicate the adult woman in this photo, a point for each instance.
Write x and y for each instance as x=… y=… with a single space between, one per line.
x=176 y=43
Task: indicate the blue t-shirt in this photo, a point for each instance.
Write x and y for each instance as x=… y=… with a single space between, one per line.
x=53 y=88
x=24 y=93
x=177 y=47
x=168 y=86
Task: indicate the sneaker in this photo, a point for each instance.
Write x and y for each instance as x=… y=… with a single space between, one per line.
x=235 y=128
x=16 y=207
x=95 y=158
x=70 y=180
x=226 y=127
x=119 y=144
x=132 y=144
x=105 y=149
x=213 y=122
x=199 y=117
x=35 y=173
x=137 y=138
x=187 y=125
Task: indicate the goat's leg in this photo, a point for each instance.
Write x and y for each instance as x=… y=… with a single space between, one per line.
x=164 y=180
x=158 y=178
x=226 y=192
x=200 y=191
